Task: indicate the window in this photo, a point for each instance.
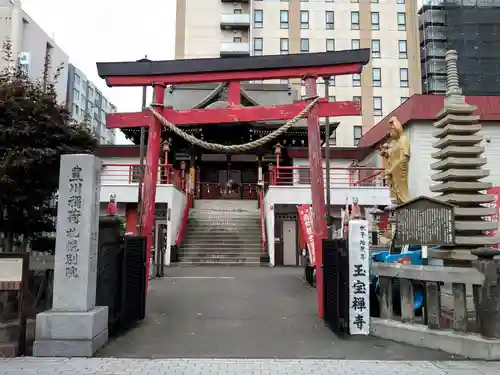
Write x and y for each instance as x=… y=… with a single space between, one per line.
x=403 y=77
x=377 y=77
x=258 y=19
x=284 y=19
x=356 y=80
x=332 y=81
x=76 y=95
x=333 y=138
x=330 y=20
x=357 y=133
x=330 y=45
x=403 y=49
x=77 y=79
x=401 y=21
x=258 y=46
x=357 y=99
x=355 y=1
x=354 y=20
x=304 y=45
x=374 y=1
x=283 y=46
x=237 y=39
x=237 y=11
x=400 y=1
x=375 y=21
x=377 y=106
x=376 y=48
x=404 y=99
x=355 y=44
x=304 y=19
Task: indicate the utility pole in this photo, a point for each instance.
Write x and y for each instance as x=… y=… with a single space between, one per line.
x=327 y=164
x=142 y=146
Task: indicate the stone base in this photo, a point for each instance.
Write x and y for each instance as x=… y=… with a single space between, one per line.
x=70 y=333
x=70 y=348
x=469 y=345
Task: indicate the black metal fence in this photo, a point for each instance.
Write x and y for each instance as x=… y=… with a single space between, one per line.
x=121 y=275
x=336 y=285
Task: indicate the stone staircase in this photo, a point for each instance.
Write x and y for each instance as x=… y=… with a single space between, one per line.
x=222 y=232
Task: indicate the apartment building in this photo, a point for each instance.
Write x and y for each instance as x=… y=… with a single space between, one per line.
x=31 y=47
x=225 y=28
x=88 y=104
x=469 y=27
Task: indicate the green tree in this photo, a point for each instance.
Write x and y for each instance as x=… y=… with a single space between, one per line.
x=35 y=130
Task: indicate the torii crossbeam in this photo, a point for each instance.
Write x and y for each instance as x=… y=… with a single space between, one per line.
x=309 y=67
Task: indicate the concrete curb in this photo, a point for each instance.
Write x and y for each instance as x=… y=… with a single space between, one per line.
x=467 y=345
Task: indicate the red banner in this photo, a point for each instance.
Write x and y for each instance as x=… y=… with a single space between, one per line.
x=306 y=225
x=496 y=192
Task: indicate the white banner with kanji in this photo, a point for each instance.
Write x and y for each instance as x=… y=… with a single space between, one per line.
x=359 y=278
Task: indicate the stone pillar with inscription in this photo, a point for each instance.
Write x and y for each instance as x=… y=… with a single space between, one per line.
x=75 y=327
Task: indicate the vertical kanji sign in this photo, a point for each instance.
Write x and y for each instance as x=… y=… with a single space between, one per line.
x=359 y=278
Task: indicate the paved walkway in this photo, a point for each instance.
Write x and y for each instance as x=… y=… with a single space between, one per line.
x=103 y=366
x=244 y=312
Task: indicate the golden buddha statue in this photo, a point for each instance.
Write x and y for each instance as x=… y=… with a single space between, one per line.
x=398 y=158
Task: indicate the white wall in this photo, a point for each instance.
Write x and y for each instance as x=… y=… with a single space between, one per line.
x=421 y=139
x=115 y=180
x=301 y=194
x=337 y=177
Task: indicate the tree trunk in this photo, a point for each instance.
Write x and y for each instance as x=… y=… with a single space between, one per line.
x=24 y=244
x=8 y=241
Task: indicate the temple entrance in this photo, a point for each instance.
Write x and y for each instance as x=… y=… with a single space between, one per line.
x=228 y=180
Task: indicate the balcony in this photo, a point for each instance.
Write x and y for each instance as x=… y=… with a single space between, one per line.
x=235 y=21
x=432 y=33
x=433 y=66
x=123 y=181
x=293 y=185
x=232 y=49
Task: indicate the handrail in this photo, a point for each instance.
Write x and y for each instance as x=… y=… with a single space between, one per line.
x=339 y=177
x=130 y=174
x=185 y=218
x=262 y=222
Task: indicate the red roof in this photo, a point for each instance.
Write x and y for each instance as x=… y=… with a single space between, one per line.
x=427 y=107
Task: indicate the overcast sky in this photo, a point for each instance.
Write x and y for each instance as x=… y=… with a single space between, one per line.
x=108 y=30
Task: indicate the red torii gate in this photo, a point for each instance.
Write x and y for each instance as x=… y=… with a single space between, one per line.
x=158 y=74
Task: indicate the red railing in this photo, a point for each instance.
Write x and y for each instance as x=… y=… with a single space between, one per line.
x=339 y=177
x=185 y=218
x=123 y=174
x=262 y=221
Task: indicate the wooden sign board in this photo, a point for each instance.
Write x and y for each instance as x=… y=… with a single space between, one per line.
x=425 y=221
x=14 y=271
x=11 y=273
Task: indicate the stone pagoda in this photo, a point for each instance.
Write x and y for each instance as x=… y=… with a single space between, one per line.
x=459 y=173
